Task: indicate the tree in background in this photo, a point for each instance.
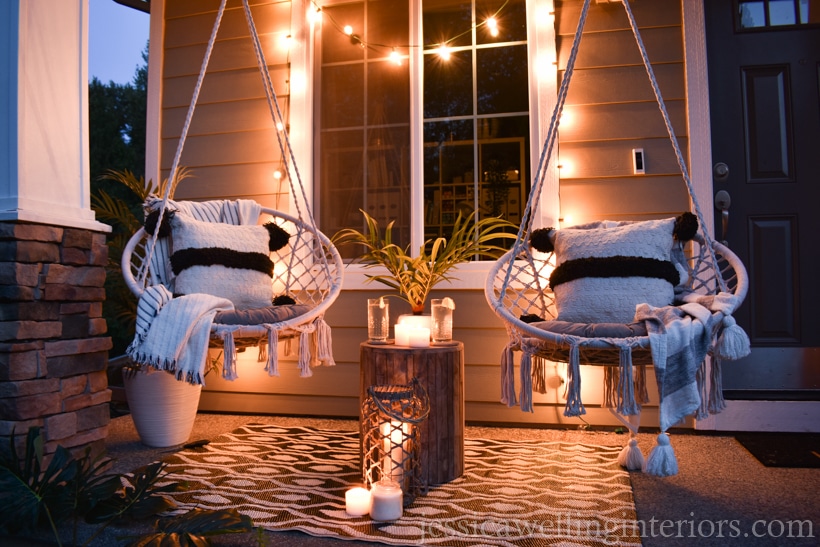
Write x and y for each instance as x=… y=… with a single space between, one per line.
x=117 y=119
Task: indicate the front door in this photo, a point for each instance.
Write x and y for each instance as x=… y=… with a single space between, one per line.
x=764 y=82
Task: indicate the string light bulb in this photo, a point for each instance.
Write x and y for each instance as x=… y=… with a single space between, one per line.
x=444 y=52
x=279 y=126
x=395 y=57
x=348 y=30
x=492 y=25
x=277 y=174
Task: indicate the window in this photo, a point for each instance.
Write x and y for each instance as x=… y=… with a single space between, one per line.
x=763 y=14
x=473 y=142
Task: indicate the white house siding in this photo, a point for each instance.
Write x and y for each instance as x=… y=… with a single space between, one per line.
x=614 y=112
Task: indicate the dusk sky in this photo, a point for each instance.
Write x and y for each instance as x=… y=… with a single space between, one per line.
x=117 y=35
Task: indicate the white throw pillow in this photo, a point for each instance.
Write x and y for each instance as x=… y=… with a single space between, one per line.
x=223 y=260
x=605 y=269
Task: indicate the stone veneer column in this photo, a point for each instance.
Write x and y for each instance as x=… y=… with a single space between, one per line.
x=53 y=348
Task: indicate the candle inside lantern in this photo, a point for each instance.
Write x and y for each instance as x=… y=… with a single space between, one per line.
x=395 y=449
x=357 y=501
x=387 y=501
x=420 y=338
x=402 y=335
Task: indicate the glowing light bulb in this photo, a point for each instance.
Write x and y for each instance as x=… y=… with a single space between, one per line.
x=314 y=15
x=348 y=30
x=286 y=40
x=277 y=174
x=395 y=57
x=279 y=126
x=492 y=24
x=444 y=53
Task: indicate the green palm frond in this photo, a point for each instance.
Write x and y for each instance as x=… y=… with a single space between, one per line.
x=415 y=276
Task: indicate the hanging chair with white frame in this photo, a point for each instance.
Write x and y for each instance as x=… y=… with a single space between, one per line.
x=211 y=274
x=622 y=295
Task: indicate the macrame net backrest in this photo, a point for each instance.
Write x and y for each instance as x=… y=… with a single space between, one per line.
x=309 y=268
x=518 y=286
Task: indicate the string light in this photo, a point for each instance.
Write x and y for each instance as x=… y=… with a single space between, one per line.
x=492 y=24
x=442 y=48
x=395 y=57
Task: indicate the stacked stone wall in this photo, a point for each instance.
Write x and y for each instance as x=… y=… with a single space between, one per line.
x=53 y=343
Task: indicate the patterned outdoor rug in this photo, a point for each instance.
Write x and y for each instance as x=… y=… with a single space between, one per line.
x=512 y=492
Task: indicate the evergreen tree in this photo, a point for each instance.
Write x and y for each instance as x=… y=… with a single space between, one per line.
x=117 y=119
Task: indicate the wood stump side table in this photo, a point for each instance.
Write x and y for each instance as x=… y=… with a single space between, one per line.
x=440 y=370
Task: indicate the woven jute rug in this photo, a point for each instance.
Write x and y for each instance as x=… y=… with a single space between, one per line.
x=512 y=492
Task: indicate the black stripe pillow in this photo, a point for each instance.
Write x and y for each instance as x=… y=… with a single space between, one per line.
x=605 y=269
x=225 y=260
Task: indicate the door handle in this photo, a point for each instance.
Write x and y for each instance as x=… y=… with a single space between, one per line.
x=722 y=203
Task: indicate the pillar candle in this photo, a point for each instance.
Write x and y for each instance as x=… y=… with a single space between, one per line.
x=402 y=335
x=420 y=338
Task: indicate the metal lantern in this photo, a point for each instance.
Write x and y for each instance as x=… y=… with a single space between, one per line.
x=390 y=442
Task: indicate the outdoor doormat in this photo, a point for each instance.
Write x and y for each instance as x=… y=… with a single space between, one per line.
x=783 y=449
x=512 y=492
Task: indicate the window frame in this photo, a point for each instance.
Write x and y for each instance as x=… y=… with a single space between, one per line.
x=542 y=77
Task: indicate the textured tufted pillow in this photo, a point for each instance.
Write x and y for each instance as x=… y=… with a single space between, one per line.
x=605 y=269
x=224 y=260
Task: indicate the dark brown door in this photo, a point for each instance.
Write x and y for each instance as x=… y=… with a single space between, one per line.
x=764 y=76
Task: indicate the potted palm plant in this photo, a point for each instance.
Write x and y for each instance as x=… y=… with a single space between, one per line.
x=415 y=276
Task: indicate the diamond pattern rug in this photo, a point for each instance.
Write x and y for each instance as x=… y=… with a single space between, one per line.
x=512 y=492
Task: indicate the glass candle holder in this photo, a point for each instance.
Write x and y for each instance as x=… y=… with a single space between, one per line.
x=386 y=501
x=441 y=321
x=378 y=319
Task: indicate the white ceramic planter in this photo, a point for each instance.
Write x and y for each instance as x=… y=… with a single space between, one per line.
x=163 y=408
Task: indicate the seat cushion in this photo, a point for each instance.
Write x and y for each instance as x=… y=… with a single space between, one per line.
x=223 y=260
x=605 y=269
x=259 y=316
x=594 y=330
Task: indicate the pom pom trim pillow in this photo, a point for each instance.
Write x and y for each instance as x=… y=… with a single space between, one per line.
x=605 y=269
x=225 y=260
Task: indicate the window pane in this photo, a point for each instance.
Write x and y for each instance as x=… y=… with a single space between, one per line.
x=447 y=21
x=336 y=46
x=502 y=84
x=511 y=21
x=448 y=85
x=363 y=161
x=781 y=12
x=342 y=96
x=752 y=14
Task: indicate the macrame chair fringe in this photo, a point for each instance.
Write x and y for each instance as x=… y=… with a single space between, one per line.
x=508 y=396
x=516 y=288
x=539 y=374
x=314 y=267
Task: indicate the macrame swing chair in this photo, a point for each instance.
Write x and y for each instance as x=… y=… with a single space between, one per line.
x=716 y=283
x=307 y=270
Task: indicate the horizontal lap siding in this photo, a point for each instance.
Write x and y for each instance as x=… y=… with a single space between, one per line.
x=611 y=110
x=231 y=147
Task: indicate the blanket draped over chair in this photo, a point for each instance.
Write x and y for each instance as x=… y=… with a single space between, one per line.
x=174 y=333
x=680 y=338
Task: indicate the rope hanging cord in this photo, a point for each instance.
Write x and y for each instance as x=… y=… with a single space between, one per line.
x=185 y=127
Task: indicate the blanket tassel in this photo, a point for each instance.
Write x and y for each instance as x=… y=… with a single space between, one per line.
x=631 y=456
x=272 y=364
x=733 y=342
x=574 y=405
x=508 y=377
x=229 y=357
x=662 y=461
